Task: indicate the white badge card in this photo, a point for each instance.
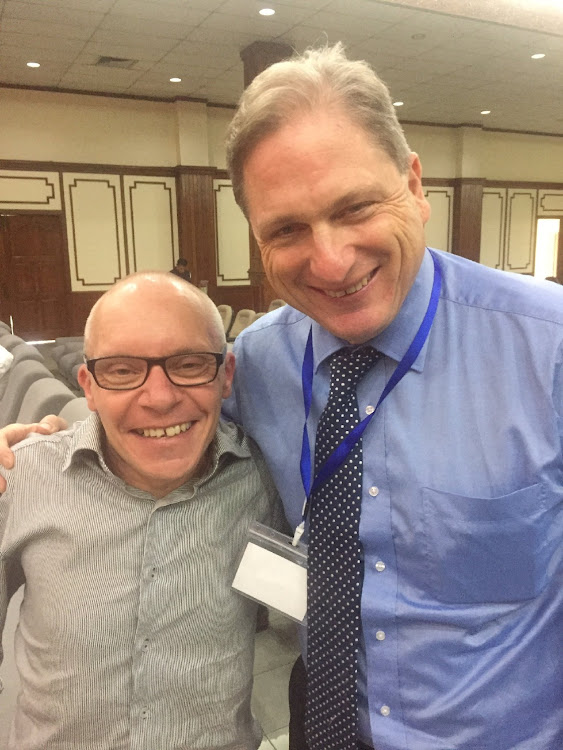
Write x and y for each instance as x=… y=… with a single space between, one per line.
x=274 y=572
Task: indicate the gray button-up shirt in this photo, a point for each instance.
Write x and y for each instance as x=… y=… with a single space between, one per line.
x=130 y=635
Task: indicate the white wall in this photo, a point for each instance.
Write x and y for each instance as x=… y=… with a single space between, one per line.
x=48 y=126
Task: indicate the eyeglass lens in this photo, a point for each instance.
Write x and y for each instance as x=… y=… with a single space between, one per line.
x=130 y=372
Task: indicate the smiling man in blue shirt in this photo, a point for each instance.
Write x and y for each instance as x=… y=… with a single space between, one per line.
x=462 y=488
x=462 y=492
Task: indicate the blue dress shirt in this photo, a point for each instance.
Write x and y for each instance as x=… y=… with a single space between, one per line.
x=462 y=506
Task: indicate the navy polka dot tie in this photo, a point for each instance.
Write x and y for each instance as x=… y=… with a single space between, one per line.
x=334 y=577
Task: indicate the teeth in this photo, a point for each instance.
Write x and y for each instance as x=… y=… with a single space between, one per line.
x=158 y=432
x=356 y=288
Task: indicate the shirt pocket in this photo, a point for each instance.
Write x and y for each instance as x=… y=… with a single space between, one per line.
x=481 y=550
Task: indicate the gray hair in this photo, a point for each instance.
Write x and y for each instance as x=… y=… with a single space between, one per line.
x=318 y=78
x=194 y=295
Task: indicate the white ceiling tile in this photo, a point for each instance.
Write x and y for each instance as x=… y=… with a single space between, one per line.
x=44 y=29
x=52 y=13
x=191 y=14
x=132 y=26
x=443 y=77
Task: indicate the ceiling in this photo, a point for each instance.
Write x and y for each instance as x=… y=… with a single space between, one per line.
x=444 y=67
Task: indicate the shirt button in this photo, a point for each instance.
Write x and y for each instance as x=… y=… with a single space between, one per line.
x=385 y=710
x=380 y=635
x=374 y=491
x=380 y=566
x=370 y=409
x=145 y=644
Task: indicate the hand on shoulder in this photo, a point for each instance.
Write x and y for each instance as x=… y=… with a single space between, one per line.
x=14 y=433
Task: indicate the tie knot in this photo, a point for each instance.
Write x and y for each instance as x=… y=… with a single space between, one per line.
x=348 y=366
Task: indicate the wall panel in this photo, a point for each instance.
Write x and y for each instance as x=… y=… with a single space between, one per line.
x=232 y=241
x=493 y=217
x=520 y=230
x=438 y=228
x=31 y=191
x=94 y=219
x=151 y=222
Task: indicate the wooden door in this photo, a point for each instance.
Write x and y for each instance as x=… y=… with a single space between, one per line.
x=34 y=286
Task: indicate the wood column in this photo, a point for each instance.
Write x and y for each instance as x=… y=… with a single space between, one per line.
x=466 y=230
x=257 y=57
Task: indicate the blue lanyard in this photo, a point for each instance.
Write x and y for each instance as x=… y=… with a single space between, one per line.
x=341 y=452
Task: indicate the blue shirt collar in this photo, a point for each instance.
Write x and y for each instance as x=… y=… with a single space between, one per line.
x=397 y=337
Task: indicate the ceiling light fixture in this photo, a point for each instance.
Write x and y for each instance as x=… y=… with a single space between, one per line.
x=538 y=56
x=33 y=65
x=485 y=111
x=418 y=36
x=266 y=11
x=175 y=80
x=398 y=104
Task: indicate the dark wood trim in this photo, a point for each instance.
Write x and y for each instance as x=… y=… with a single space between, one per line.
x=479 y=127
x=7 y=211
x=55 y=166
x=560 y=253
x=217 y=174
x=438 y=182
x=466 y=230
x=107 y=94
x=524 y=185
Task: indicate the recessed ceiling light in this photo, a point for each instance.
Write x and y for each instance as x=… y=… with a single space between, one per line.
x=538 y=56
x=33 y=65
x=175 y=80
x=266 y=11
x=485 y=111
x=398 y=104
x=418 y=36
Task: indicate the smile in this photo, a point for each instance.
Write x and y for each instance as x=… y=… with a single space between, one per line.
x=352 y=289
x=159 y=432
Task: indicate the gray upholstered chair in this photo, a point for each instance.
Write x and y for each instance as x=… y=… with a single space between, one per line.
x=226 y=312
x=45 y=396
x=242 y=320
x=75 y=411
x=9 y=341
x=26 y=351
x=20 y=378
x=275 y=303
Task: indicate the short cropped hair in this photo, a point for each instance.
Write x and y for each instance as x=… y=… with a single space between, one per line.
x=318 y=78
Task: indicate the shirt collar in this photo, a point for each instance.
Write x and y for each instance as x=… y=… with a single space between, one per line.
x=88 y=439
x=397 y=337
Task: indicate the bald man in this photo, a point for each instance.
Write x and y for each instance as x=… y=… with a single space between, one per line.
x=130 y=634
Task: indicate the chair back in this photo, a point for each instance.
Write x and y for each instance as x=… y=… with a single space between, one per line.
x=243 y=319
x=226 y=312
x=20 y=379
x=75 y=411
x=26 y=351
x=9 y=341
x=45 y=396
x=275 y=303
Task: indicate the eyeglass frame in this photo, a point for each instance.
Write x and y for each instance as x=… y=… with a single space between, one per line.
x=152 y=362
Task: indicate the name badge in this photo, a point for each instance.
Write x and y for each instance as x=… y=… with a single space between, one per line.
x=273 y=572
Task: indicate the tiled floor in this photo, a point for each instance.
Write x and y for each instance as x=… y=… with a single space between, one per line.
x=276 y=650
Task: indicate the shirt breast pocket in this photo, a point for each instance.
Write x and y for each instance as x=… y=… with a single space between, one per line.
x=481 y=550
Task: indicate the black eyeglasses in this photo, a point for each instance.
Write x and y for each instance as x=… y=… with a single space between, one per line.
x=126 y=373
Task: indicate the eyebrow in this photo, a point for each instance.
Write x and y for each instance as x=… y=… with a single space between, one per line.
x=352 y=197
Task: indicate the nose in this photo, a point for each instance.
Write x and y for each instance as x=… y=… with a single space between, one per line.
x=331 y=255
x=157 y=392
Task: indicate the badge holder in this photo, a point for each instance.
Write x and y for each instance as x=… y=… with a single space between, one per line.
x=273 y=572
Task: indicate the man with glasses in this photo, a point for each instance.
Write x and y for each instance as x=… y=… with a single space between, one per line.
x=126 y=530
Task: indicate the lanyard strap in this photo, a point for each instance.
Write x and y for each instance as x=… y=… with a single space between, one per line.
x=341 y=452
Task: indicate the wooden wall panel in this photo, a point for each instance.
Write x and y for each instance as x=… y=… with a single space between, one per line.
x=151 y=222
x=80 y=304
x=466 y=234
x=493 y=227
x=438 y=229
x=94 y=218
x=30 y=191
x=520 y=244
x=232 y=240
x=550 y=204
